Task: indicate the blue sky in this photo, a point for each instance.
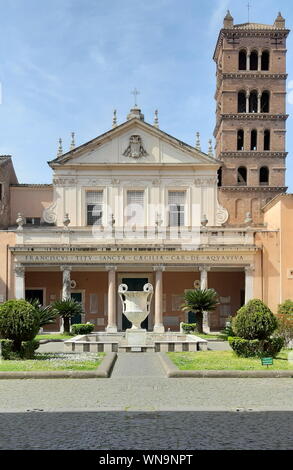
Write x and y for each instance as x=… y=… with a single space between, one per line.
x=66 y=64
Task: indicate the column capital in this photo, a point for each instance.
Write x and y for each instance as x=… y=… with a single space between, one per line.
x=159 y=268
x=249 y=269
x=111 y=268
x=65 y=267
x=19 y=270
x=204 y=267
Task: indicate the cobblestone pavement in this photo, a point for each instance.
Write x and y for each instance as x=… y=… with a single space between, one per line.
x=139 y=408
x=143 y=430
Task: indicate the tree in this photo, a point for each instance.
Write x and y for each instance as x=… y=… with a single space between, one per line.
x=286 y=308
x=200 y=301
x=46 y=314
x=67 y=309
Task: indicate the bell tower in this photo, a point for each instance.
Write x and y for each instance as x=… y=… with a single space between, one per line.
x=250 y=115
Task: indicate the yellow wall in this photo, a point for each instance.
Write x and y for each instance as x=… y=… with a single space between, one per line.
x=6 y=278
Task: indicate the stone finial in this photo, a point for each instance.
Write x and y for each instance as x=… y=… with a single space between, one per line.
x=279 y=21
x=210 y=151
x=72 y=144
x=20 y=221
x=228 y=20
x=197 y=141
x=156 y=119
x=60 y=149
x=204 y=220
x=135 y=113
x=114 y=120
x=66 y=220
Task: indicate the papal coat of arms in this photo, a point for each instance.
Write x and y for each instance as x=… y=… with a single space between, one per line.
x=135 y=148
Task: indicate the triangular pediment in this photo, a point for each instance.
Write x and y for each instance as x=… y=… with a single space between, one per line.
x=134 y=143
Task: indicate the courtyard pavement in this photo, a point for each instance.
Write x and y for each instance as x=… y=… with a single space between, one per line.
x=139 y=408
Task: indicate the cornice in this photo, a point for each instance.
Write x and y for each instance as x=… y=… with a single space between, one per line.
x=253 y=75
x=259 y=189
x=249 y=117
x=252 y=153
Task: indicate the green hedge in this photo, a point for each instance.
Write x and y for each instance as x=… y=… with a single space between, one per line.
x=82 y=328
x=254 y=321
x=189 y=327
x=256 y=347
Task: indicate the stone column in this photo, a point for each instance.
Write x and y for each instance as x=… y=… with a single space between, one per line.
x=204 y=285
x=66 y=291
x=66 y=280
x=19 y=282
x=259 y=60
x=158 y=325
x=258 y=102
x=248 y=61
x=248 y=282
x=247 y=101
x=112 y=316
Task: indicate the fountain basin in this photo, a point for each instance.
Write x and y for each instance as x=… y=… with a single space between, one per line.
x=117 y=342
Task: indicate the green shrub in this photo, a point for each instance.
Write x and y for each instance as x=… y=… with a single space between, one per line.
x=228 y=330
x=256 y=347
x=82 y=328
x=18 y=322
x=285 y=328
x=27 y=349
x=254 y=321
x=286 y=308
x=189 y=327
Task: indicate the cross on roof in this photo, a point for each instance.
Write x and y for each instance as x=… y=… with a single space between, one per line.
x=135 y=92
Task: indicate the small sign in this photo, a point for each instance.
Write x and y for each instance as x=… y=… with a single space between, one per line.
x=267 y=361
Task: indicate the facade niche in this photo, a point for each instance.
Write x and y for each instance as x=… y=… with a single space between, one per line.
x=240 y=139
x=242 y=176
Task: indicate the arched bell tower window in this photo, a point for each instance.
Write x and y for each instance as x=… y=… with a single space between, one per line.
x=264 y=175
x=265 y=102
x=253 y=102
x=241 y=102
x=265 y=60
x=253 y=60
x=242 y=176
x=240 y=139
x=253 y=140
x=242 y=60
x=267 y=138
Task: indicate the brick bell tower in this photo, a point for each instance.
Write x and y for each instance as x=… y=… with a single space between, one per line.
x=250 y=116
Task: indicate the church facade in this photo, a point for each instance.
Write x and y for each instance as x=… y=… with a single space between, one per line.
x=136 y=205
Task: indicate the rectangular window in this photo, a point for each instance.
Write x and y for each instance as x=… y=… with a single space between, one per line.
x=135 y=207
x=94 y=207
x=176 y=201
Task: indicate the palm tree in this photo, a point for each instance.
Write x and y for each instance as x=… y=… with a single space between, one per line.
x=200 y=301
x=67 y=309
x=46 y=315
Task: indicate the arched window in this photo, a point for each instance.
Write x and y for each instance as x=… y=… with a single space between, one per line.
x=242 y=60
x=253 y=102
x=241 y=102
x=253 y=60
x=265 y=60
x=264 y=175
x=265 y=102
x=253 y=140
x=242 y=176
x=240 y=139
x=266 y=139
